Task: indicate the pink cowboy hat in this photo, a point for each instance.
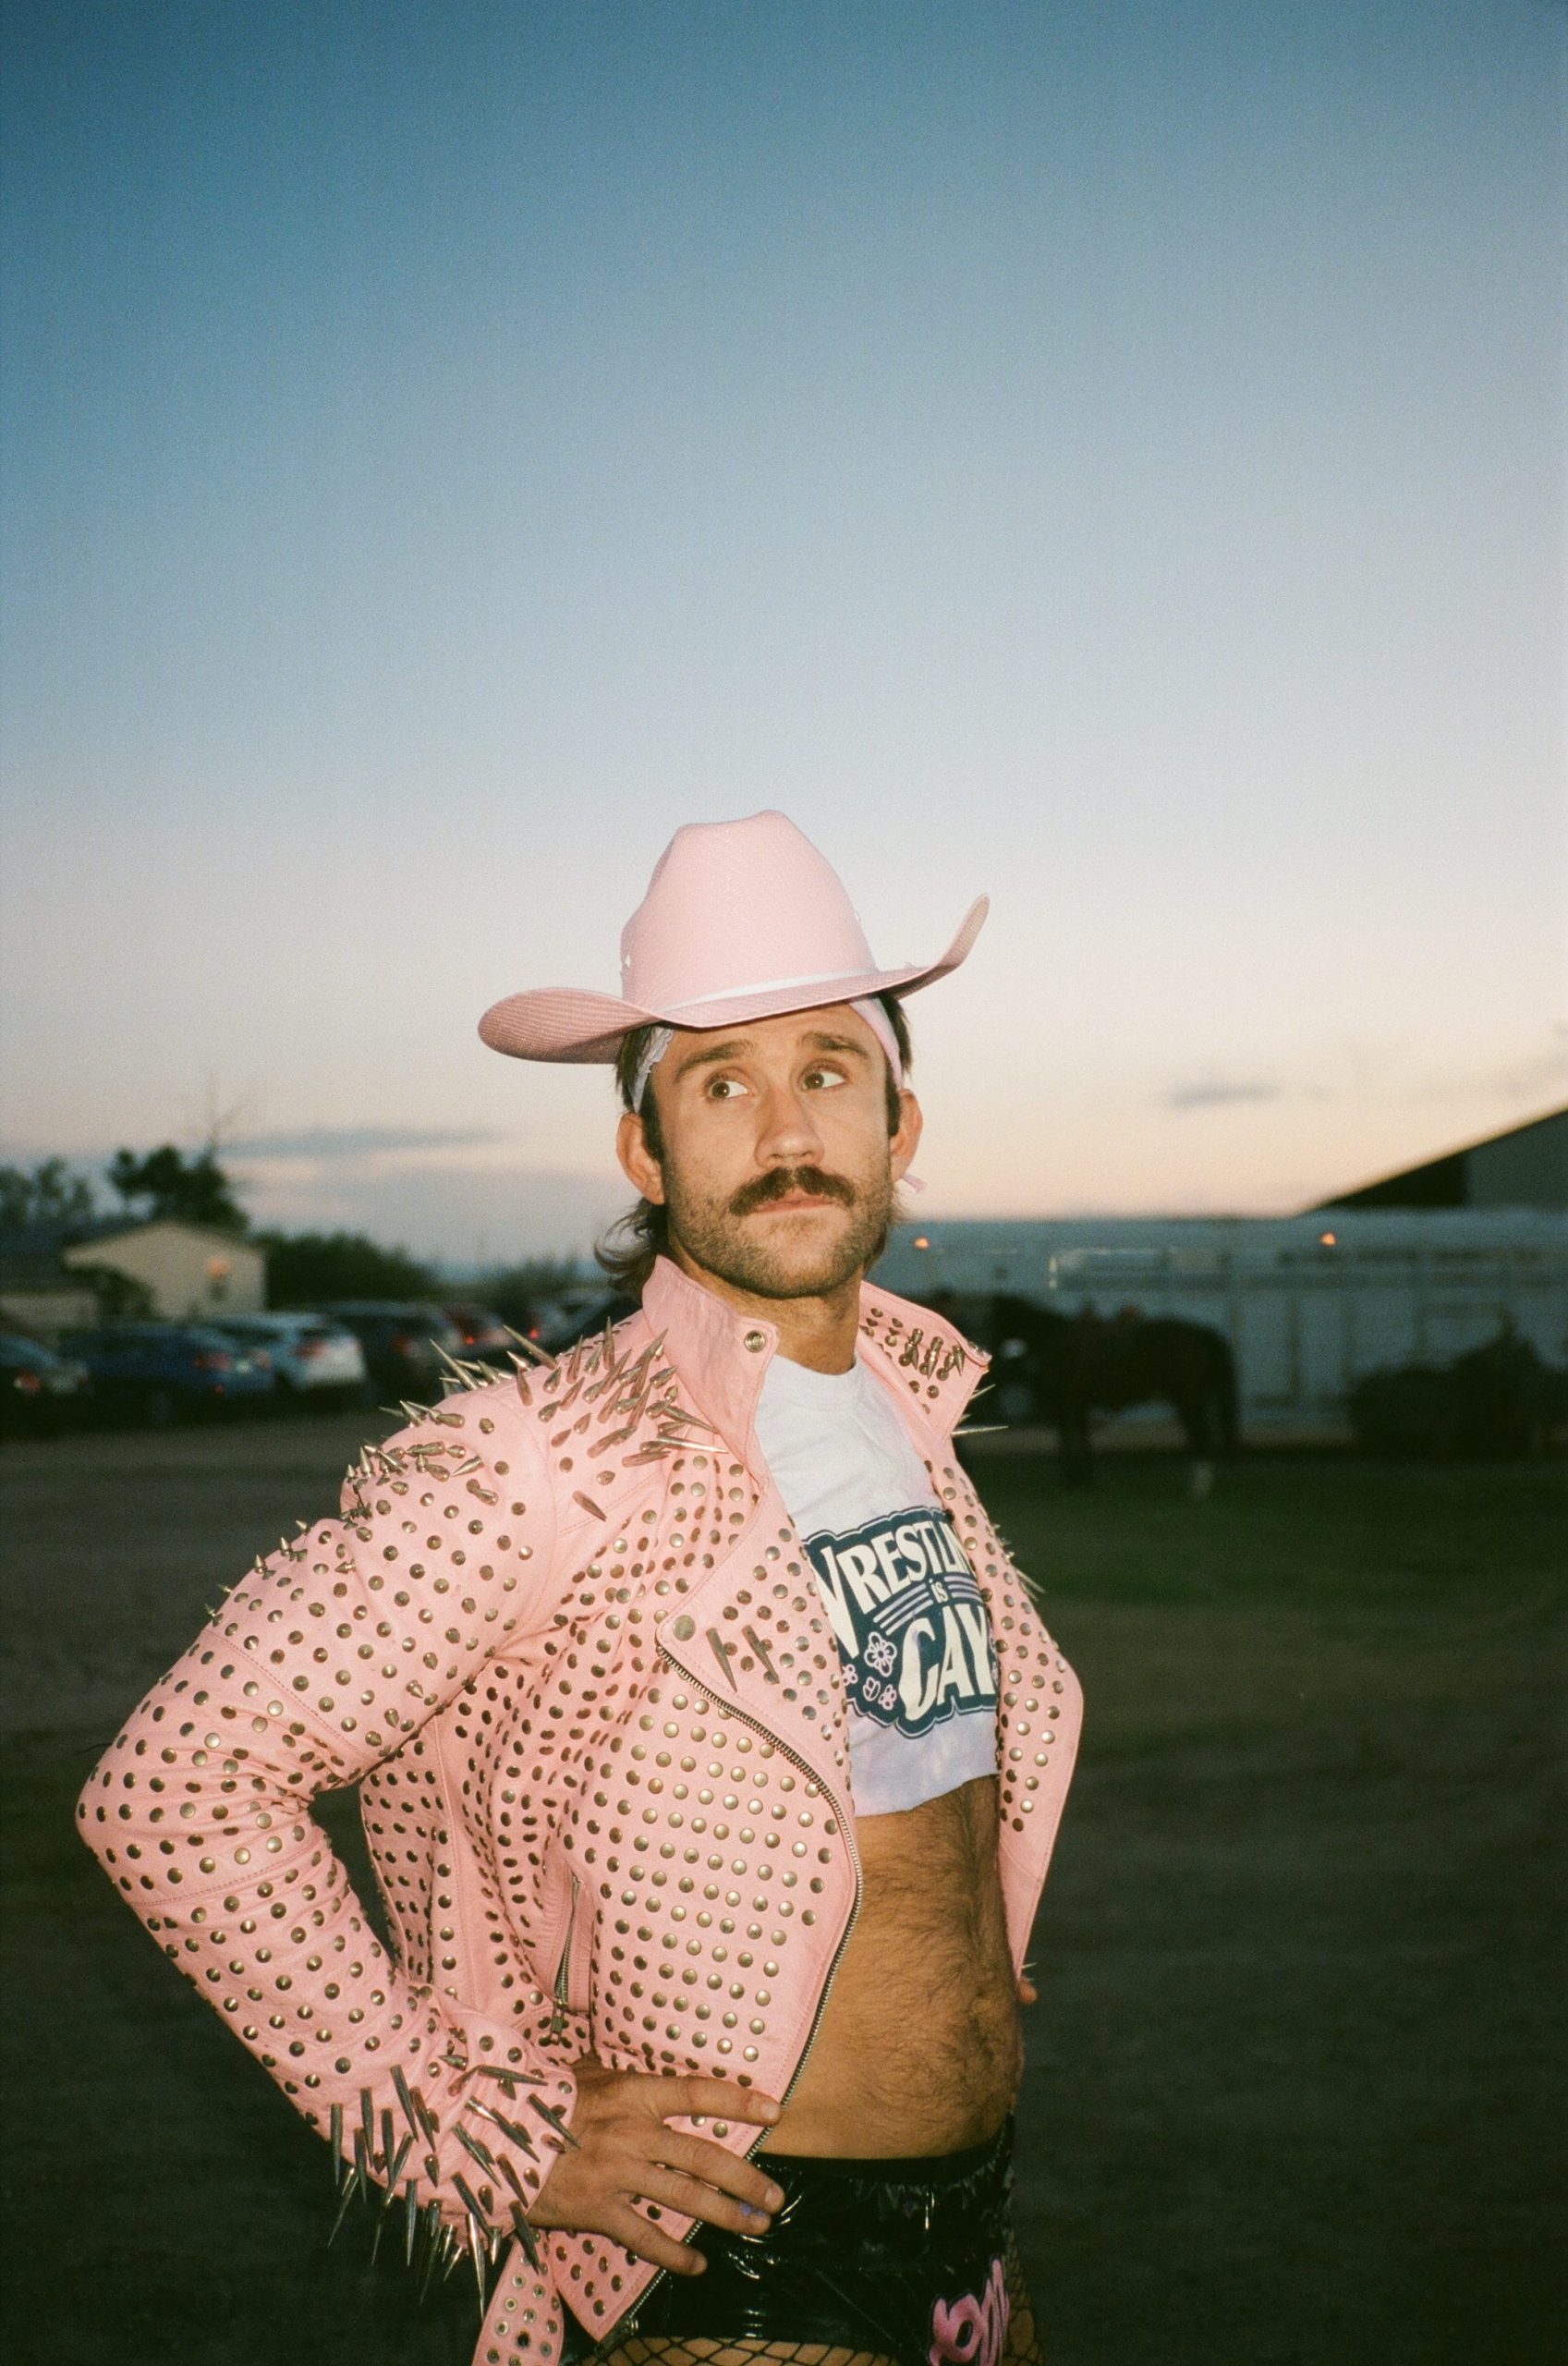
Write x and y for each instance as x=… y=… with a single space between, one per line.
x=742 y=919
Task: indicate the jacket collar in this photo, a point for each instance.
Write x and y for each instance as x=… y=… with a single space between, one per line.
x=720 y=1358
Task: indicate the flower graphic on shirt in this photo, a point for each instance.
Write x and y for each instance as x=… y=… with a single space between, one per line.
x=880 y=1655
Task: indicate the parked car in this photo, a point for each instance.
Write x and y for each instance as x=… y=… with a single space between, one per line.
x=314 y=1362
x=485 y=1337
x=582 y=1314
x=38 y=1390
x=403 y=1344
x=157 y=1372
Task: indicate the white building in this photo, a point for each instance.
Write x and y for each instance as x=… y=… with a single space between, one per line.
x=188 y=1271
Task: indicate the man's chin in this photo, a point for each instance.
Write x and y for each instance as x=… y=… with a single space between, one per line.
x=784 y=1260
x=802 y=1250
x=821 y=1282
x=785 y=1268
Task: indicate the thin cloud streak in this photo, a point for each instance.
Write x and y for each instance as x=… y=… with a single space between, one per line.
x=343 y=1142
x=1218 y=1097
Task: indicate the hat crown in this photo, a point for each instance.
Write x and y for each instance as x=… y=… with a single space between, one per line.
x=737 y=907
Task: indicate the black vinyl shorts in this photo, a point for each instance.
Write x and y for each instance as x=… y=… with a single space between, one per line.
x=903 y=2258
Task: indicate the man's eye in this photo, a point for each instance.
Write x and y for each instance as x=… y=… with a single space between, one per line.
x=820 y=1079
x=724 y=1088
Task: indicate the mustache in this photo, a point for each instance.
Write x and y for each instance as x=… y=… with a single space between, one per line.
x=781 y=1181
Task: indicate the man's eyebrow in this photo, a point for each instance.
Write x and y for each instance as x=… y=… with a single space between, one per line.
x=713 y=1054
x=715 y=1051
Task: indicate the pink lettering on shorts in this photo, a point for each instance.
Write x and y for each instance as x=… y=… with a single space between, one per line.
x=971 y=2332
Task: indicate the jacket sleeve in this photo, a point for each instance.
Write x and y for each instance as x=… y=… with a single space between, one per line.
x=328 y=1657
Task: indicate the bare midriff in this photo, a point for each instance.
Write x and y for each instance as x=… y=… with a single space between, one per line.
x=918 y=2050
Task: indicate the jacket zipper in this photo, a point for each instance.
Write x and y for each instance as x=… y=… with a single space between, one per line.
x=563 y=1969
x=628 y=2322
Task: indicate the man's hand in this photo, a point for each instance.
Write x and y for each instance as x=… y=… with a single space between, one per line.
x=624 y=2151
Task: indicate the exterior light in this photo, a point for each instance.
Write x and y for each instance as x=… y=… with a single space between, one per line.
x=920 y=1241
x=1327 y=1240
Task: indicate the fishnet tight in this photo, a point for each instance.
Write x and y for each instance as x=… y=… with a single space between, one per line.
x=1022 y=2347
x=686 y=2349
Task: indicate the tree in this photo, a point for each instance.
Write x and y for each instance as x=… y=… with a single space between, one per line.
x=52 y=1193
x=193 y=1190
x=310 y=1268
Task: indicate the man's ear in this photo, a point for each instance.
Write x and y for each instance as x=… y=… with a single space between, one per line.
x=906 y=1140
x=639 y=1165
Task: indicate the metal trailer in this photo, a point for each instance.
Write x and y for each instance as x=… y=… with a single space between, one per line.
x=1308 y=1303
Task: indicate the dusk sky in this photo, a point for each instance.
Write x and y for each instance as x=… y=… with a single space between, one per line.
x=1111 y=455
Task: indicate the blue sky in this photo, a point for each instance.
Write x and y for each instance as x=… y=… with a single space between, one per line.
x=1108 y=454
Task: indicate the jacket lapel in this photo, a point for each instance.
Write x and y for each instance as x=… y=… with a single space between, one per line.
x=752 y=1633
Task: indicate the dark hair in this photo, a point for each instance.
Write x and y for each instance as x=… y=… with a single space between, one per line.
x=635 y=1241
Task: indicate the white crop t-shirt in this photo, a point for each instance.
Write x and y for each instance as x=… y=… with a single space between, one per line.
x=910 y=1619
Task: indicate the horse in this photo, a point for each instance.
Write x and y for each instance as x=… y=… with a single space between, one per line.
x=1074 y=1366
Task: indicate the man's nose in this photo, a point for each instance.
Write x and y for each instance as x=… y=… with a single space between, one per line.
x=789 y=1134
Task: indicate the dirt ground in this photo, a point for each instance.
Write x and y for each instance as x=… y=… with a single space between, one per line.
x=1294 y=2096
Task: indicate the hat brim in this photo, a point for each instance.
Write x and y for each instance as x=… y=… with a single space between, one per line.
x=573 y=1023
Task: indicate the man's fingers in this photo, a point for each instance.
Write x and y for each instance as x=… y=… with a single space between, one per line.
x=673 y=2190
x=627 y=2150
x=697 y=2098
x=630 y=2228
x=728 y=2171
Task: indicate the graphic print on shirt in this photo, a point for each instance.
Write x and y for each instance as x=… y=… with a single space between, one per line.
x=910 y=1619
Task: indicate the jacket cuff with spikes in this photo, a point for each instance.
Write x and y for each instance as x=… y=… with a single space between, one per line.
x=329 y=1657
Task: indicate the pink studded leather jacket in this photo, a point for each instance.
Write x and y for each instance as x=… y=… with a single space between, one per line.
x=565 y=1638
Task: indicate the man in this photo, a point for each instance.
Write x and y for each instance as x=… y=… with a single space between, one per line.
x=711 y=1748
